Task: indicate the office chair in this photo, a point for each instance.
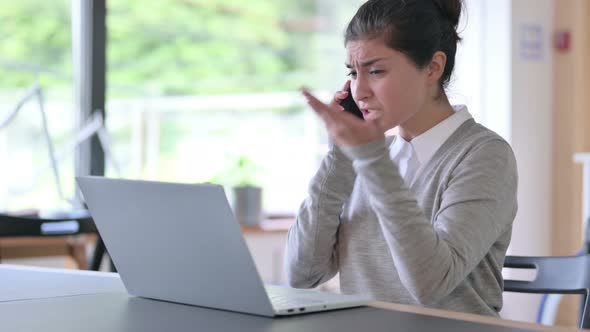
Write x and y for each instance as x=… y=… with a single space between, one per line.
x=555 y=275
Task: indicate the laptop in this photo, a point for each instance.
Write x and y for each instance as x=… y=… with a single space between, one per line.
x=181 y=243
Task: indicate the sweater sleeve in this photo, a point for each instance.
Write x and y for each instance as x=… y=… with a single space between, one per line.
x=477 y=206
x=311 y=257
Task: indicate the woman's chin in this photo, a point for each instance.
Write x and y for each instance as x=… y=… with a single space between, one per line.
x=372 y=116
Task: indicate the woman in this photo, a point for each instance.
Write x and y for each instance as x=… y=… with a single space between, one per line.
x=421 y=218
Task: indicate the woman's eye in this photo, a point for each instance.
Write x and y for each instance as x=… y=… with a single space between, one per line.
x=352 y=74
x=376 y=72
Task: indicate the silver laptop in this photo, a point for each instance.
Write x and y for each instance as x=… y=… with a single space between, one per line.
x=181 y=243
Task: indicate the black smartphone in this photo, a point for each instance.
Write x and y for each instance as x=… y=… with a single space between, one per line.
x=350 y=106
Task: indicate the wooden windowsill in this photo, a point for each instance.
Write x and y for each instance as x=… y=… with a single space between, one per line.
x=74 y=246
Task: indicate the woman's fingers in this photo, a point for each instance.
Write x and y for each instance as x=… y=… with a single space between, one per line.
x=319 y=107
x=345 y=128
x=327 y=112
x=346 y=85
x=340 y=95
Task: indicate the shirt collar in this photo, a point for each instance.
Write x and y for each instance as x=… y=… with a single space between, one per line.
x=396 y=146
x=431 y=140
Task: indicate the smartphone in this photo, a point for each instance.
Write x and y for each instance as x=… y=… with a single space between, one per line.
x=350 y=106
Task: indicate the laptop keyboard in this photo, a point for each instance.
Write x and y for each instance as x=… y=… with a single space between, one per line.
x=281 y=297
x=280 y=300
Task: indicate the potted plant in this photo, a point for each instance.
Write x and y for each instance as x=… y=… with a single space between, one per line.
x=246 y=192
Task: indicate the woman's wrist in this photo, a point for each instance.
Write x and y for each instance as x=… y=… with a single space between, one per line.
x=365 y=151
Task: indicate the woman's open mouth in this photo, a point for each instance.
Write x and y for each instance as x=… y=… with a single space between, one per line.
x=370 y=114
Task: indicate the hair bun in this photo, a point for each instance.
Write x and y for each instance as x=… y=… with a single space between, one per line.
x=450 y=10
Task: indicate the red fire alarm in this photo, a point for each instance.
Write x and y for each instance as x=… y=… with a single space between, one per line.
x=562 y=40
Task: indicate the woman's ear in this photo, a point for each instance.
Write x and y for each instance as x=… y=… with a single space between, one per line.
x=436 y=67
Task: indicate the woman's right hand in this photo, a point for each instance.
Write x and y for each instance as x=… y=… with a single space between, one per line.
x=335 y=103
x=339 y=96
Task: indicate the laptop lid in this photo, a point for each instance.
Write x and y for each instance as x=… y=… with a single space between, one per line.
x=176 y=242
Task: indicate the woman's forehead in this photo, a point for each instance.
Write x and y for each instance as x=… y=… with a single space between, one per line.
x=365 y=49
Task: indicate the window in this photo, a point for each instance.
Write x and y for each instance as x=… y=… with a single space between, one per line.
x=36 y=51
x=196 y=86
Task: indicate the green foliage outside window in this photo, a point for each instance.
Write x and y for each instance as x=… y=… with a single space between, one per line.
x=169 y=47
x=208 y=47
x=35 y=35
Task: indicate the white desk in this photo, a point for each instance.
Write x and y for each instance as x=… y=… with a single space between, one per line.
x=24 y=283
x=50 y=300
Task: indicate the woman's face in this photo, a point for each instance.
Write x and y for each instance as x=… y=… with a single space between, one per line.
x=388 y=88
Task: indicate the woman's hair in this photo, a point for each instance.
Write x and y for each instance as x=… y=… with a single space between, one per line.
x=417 y=28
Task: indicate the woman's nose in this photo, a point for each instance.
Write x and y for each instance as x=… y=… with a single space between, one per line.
x=360 y=89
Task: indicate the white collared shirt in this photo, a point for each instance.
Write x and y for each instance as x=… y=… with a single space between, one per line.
x=410 y=156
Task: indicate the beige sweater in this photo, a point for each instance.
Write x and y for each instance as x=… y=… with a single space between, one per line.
x=440 y=243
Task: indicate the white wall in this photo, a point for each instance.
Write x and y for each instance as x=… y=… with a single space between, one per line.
x=532 y=102
x=531 y=127
x=504 y=73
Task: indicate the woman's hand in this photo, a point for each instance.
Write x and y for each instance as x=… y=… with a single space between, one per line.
x=345 y=128
x=338 y=97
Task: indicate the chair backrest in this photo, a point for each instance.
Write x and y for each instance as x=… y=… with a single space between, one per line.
x=555 y=275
